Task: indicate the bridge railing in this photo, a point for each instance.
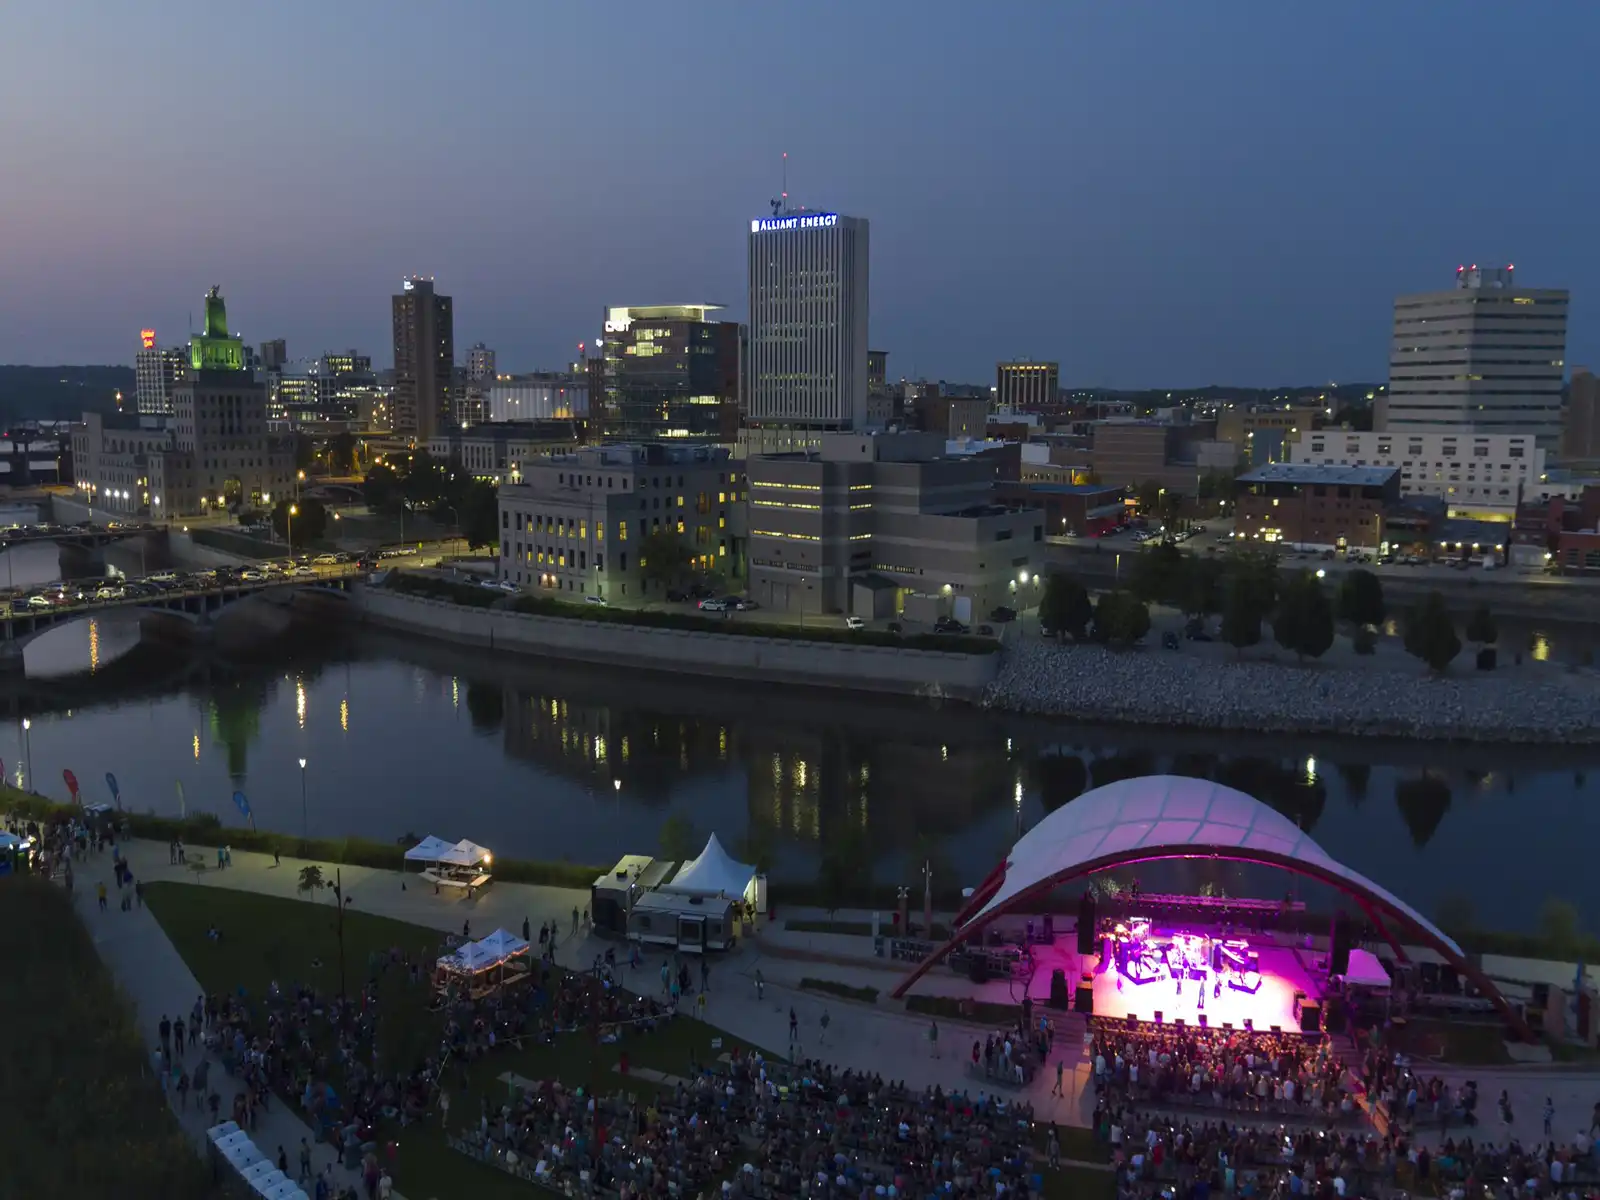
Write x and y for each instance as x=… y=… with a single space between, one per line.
x=9 y=610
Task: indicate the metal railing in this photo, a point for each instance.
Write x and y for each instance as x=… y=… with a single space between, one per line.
x=10 y=610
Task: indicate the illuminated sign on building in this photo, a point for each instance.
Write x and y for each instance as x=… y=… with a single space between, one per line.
x=808 y=221
x=618 y=325
x=147 y=338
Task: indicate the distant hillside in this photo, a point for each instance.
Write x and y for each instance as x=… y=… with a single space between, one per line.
x=58 y=393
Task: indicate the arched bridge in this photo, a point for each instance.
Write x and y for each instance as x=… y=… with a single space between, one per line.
x=190 y=602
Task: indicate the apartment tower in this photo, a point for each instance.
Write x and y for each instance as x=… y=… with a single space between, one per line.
x=424 y=360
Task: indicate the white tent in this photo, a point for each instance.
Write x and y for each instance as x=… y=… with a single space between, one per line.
x=502 y=944
x=469 y=957
x=269 y=1184
x=464 y=854
x=430 y=849
x=714 y=873
x=1366 y=970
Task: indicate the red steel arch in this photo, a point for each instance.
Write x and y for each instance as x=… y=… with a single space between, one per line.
x=1136 y=820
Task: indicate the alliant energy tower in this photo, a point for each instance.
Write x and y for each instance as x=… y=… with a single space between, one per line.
x=808 y=321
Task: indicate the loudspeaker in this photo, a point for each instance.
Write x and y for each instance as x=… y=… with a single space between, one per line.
x=1049 y=932
x=1310 y=1018
x=1086 y=938
x=1180 y=1023
x=1249 y=1025
x=1216 y=956
x=1277 y=1028
x=1333 y=1015
x=1084 y=1001
x=1203 y=1022
x=1339 y=945
x=1228 y=1025
x=1133 y=1021
x=1158 y=1016
x=979 y=972
x=1058 y=988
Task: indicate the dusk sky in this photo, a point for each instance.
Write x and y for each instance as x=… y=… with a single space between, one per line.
x=1156 y=194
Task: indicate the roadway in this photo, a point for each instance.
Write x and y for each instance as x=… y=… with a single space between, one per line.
x=166 y=589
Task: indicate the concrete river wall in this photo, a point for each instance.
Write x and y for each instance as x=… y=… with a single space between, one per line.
x=778 y=660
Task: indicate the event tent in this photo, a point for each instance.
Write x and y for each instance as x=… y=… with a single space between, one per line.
x=715 y=873
x=1366 y=970
x=464 y=854
x=469 y=957
x=429 y=850
x=503 y=944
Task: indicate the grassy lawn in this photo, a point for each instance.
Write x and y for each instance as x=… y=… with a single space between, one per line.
x=266 y=939
x=84 y=1114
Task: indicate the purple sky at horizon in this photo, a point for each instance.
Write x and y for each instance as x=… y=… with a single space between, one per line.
x=1153 y=193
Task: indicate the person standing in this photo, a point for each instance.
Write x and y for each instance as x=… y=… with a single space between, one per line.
x=1057 y=1090
x=933 y=1038
x=823 y=1037
x=177 y=1040
x=165 y=1030
x=526 y=930
x=1053 y=1142
x=794 y=1026
x=761 y=984
x=100 y=894
x=574 y=920
x=305 y=1160
x=1549 y=1116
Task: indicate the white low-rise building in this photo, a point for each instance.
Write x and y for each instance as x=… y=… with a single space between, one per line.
x=1471 y=472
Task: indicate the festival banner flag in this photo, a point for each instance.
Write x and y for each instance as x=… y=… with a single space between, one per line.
x=71 y=781
x=116 y=792
x=243 y=805
x=182 y=810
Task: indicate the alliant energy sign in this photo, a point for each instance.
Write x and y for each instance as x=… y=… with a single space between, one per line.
x=806 y=221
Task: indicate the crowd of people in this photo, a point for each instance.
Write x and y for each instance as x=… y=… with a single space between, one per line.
x=746 y=1129
x=1275 y=1074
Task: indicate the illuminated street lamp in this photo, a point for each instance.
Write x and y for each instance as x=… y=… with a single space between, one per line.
x=27 y=750
x=294 y=511
x=305 y=826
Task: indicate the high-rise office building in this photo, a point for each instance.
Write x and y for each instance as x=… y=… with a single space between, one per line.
x=157 y=374
x=1483 y=357
x=671 y=372
x=808 y=322
x=274 y=354
x=480 y=363
x=1021 y=386
x=424 y=360
x=1580 y=429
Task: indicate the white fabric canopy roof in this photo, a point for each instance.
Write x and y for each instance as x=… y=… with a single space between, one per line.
x=1365 y=970
x=714 y=872
x=1170 y=816
x=429 y=849
x=464 y=854
x=469 y=957
x=503 y=944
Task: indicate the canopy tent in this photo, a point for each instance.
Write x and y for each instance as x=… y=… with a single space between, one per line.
x=429 y=849
x=1366 y=971
x=715 y=873
x=469 y=958
x=464 y=854
x=503 y=944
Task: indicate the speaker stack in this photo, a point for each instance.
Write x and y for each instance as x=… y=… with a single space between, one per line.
x=1339 y=945
x=1058 y=988
x=1086 y=923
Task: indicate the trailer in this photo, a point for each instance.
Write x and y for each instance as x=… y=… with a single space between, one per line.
x=693 y=923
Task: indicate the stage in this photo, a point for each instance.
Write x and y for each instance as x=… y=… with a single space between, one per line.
x=1282 y=976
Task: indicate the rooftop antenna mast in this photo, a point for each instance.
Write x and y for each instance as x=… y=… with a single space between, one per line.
x=780 y=207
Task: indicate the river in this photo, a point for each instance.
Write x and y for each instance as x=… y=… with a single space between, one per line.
x=541 y=760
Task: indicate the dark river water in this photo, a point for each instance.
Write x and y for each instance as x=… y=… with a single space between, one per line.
x=543 y=761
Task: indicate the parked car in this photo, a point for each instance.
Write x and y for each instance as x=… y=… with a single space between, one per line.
x=746 y=604
x=108 y=593
x=949 y=625
x=675 y=596
x=600 y=600
x=1169 y=640
x=985 y=630
x=303 y=571
x=162 y=577
x=1195 y=631
x=896 y=627
x=1002 y=614
x=714 y=605
x=497 y=585
x=854 y=623
x=252 y=576
x=326 y=560
x=38 y=600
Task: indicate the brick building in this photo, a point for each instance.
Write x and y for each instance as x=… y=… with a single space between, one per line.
x=1316 y=506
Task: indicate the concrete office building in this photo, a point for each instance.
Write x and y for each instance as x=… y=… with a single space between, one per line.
x=576 y=521
x=424 y=360
x=871 y=520
x=951 y=417
x=480 y=363
x=808 y=322
x=497 y=451
x=1485 y=474
x=1580 y=427
x=1262 y=432
x=214 y=451
x=1027 y=386
x=671 y=372
x=1172 y=455
x=274 y=354
x=157 y=373
x=1483 y=357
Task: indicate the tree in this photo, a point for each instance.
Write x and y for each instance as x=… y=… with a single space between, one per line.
x=1242 y=613
x=1121 y=617
x=1430 y=634
x=843 y=863
x=342 y=453
x=1423 y=803
x=303 y=448
x=1558 y=925
x=1304 y=620
x=1481 y=627
x=663 y=558
x=309 y=522
x=1065 y=606
x=381 y=488
x=1257 y=568
x=1361 y=598
x=311 y=880
x=480 y=514
x=1201 y=586
x=1157 y=575
x=1149 y=493
x=680 y=840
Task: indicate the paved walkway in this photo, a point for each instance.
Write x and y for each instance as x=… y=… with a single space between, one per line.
x=150 y=970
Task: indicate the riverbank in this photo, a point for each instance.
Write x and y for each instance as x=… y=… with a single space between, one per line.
x=772 y=659
x=1149 y=687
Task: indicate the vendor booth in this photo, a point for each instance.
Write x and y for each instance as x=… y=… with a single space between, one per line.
x=462 y=864
x=715 y=872
x=478 y=969
x=700 y=907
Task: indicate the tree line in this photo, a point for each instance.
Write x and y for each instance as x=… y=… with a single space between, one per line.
x=1246 y=589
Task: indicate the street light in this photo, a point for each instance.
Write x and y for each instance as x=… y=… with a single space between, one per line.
x=27 y=750
x=305 y=824
x=294 y=511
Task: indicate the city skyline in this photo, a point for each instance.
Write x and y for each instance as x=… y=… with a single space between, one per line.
x=1069 y=207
